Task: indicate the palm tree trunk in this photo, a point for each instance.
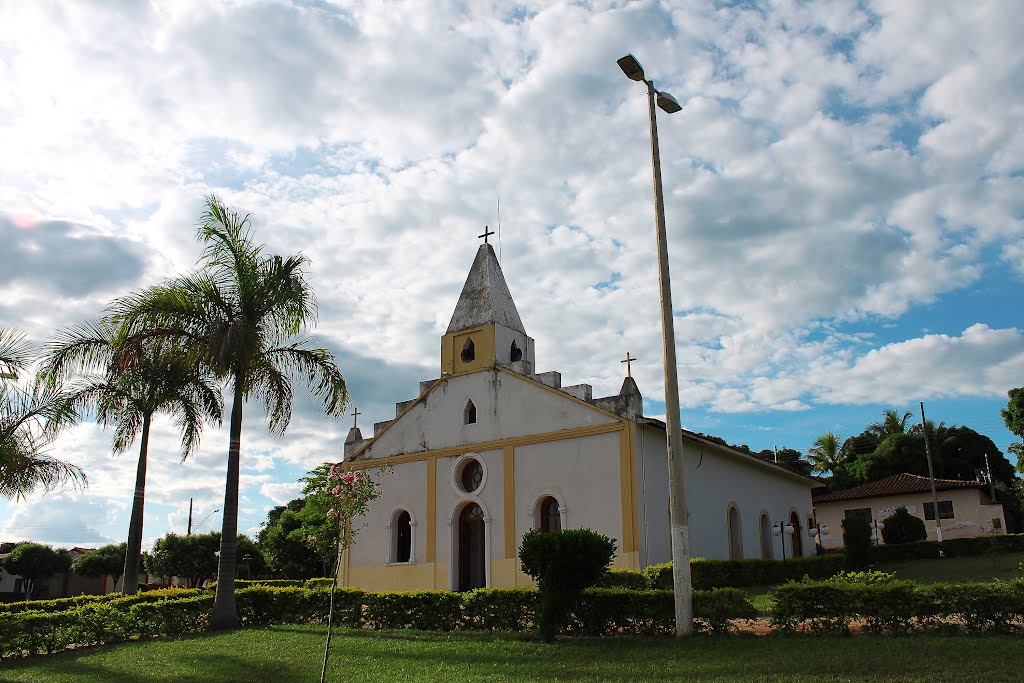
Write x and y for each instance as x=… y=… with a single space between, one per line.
x=224 y=614
x=134 y=549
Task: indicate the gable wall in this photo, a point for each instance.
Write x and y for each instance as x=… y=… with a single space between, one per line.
x=437 y=421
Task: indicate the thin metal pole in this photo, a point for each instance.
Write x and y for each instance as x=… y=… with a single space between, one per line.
x=678 y=513
x=991 y=481
x=931 y=478
x=189 y=532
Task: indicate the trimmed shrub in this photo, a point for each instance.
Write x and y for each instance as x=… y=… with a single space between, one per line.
x=709 y=574
x=500 y=609
x=423 y=610
x=563 y=563
x=903 y=527
x=624 y=578
x=857 y=540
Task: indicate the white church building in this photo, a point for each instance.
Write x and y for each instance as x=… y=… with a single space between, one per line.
x=492 y=449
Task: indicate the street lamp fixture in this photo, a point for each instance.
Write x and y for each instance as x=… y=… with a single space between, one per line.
x=682 y=582
x=783 y=528
x=877 y=526
x=204 y=520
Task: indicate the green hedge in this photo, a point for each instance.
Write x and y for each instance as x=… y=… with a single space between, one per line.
x=899 y=606
x=64 y=604
x=709 y=574
x=601 y=612
x=955 y=547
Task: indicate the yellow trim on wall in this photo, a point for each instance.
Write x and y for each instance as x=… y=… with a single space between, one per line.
x=431 y=511
x=508 y=466
x=631 y=428
x=484 y=350
x=498 y=444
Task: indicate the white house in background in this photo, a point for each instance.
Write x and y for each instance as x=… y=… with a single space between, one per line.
x=966 y=509
x=492 y=449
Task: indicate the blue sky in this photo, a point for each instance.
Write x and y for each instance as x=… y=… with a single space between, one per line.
x=843 y=194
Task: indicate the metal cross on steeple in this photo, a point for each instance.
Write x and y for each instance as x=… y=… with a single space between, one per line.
x=356 y=414
x=487 y=232
x=629 y=364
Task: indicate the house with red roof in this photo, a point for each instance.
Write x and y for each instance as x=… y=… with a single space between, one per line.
x=966 y=508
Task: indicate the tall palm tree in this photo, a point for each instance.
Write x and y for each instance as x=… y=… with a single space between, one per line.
x=891 y=423
x=826 y=453
x=125 y=383
x=241 y=312
x=30 y=419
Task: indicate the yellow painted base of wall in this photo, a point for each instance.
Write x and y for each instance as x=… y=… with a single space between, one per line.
x=394 y=577
x=434 y=575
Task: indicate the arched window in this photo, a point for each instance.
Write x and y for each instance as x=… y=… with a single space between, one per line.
x=468 y=351
x=767 y=551
x=550 y=517
x=735 y=534
x=402 y=532
x=515 y=352
x=797 y=542
x=471 y=476
x=469 y=414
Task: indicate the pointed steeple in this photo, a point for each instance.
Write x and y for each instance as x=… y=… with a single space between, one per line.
x=485 y=297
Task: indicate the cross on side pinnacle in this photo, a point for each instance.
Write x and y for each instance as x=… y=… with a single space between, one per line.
x=629 y=364
x=487 y=232
x=356 y=414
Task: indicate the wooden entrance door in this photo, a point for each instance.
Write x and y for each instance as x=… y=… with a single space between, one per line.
x=472 y=555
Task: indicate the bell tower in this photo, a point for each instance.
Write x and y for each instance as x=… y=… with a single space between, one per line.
x=485 y=329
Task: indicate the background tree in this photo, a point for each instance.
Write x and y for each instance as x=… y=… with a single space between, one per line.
x=286 y=556
x=189 y=557
x=30 y=418
x=241 y=313
x=107 y=560
x=1013 y=416
x=903 y=527
x=563 y=563
x=787 y=457
x=34 y=561
x=124 y=382
x=826 y=453
x=250 y=560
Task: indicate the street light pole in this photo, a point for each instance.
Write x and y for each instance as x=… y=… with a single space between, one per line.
x=678 y=514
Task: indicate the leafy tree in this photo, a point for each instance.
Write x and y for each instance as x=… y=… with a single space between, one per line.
x=287 y=557
x=107 y=560
x=250 y=559
x=125 y=382
x=1013 y=416
x=787 y=457
x=903 y=527
x=857 y=543
x=826 y=453
x=33 y=561
x=240 y=315
x=190 y=557
x=30 y=419
x=563 y=563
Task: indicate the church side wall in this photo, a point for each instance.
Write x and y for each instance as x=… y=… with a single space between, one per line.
x=714 y=481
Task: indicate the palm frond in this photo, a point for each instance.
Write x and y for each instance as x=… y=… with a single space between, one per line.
x=15 y=354
x=317 y=369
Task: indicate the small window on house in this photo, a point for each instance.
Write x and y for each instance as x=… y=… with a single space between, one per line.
x=403 y=537
x=863 y=513
x=550 y=517
x=997 y=523
x=469 y=414
x=516 y=353
x=945 y=510
x=472 y=476
x=767 y=550
x=468 y=351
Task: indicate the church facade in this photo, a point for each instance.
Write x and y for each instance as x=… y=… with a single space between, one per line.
x=492 y=449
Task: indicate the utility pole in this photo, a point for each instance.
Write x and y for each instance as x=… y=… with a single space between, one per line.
x=189 y=533
x=931 y=478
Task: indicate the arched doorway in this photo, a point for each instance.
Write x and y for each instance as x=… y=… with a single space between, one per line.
x=798 y=546
x=472 y=549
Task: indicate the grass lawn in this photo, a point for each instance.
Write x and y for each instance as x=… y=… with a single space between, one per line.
x=292 y=653
x=981 y=568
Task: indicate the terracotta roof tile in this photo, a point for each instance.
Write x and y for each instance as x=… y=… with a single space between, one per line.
x=896 y=485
